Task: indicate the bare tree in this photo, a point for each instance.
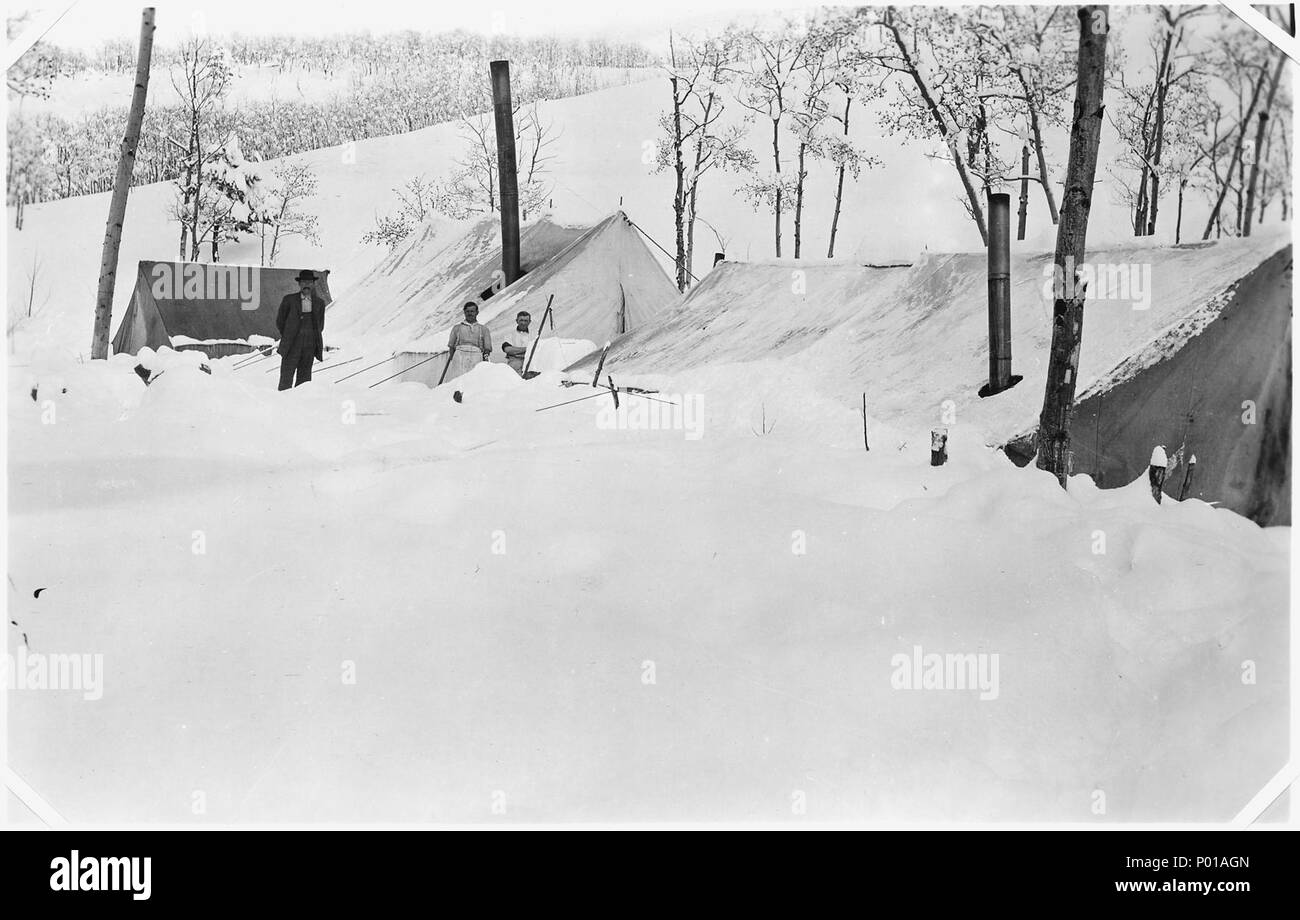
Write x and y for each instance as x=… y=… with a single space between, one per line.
x=1241 y=63
x=849 y=59
x=121 y=187
x=775 y=59
x=1262 y=130
x=294 y=183
x=694 y=143
x=201 y=76
x=1071 y=245
x=941 y=87
x=1143 y=115
x=1034 y=47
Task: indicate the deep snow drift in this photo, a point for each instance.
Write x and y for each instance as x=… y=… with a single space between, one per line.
x=344 y=603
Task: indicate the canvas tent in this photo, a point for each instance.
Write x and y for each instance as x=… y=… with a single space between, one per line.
x=604 y=282
x=1218 y=386
x=1168 y=358
x=216 y=308
x=418 y=289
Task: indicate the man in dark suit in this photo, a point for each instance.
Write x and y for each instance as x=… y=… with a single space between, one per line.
x=301 y=321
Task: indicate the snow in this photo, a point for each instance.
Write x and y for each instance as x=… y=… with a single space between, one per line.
x=363 y=601
x=256 y=340
x=501 y=581
x=914 y=337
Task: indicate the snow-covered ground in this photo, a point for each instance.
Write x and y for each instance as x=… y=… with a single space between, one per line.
x=343 y=603
x=368 y=604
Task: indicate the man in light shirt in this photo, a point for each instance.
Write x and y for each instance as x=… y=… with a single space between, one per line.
x=301 y=321
x=516 y=343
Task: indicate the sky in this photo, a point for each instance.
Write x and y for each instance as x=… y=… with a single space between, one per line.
x=87 y=23
x=90 y=22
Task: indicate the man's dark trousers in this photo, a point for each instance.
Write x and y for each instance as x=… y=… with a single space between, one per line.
x=297 y=359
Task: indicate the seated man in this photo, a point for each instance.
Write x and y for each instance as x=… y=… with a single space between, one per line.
x=516 y=343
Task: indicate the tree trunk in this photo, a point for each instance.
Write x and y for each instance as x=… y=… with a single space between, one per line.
x=1042 y=166
x=1140 y=207
x=690 y=226
x=1259 y=142
x=1071 y=237
x=121 y=186
x=1162 y=94
x=679 y=195
x=839 y=185
x=798 y=201
x=1178 y=224
x=195 y=239
x=679 y=176
x=1024 y=191
x=1241 y=185
x=1154 y=203
x=776 y=159
x=1232 y=164
x=693 y=196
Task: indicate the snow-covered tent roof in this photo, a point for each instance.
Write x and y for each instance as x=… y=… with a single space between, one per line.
x=915 y=339
x=604 y=281
x=205 y=302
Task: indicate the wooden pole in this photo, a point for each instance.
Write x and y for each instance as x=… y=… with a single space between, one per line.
x=865 y=445
x=1187 y=479
x=121 y=186
x=443 y=375
x=507 y=173
x=1071 y=245
x=1156 y=472
x=595 y=381
x=540 y=327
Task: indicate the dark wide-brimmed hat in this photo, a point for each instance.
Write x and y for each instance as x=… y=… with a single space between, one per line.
x=306 y=275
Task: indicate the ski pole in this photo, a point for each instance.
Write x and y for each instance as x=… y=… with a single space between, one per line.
x=402 y=371
x=340 y=364
x=540 y=327
x=595 y=381
x=364 y=369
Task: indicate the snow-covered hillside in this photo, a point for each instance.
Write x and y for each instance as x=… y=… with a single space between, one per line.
x=895 y=213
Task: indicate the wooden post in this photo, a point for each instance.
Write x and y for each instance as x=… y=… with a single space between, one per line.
x=938 y=446
x=1071 y=244
x=865 y=445
x=1156 y=472
x=1187 y=479
x=507 y=173
x=121 y=186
